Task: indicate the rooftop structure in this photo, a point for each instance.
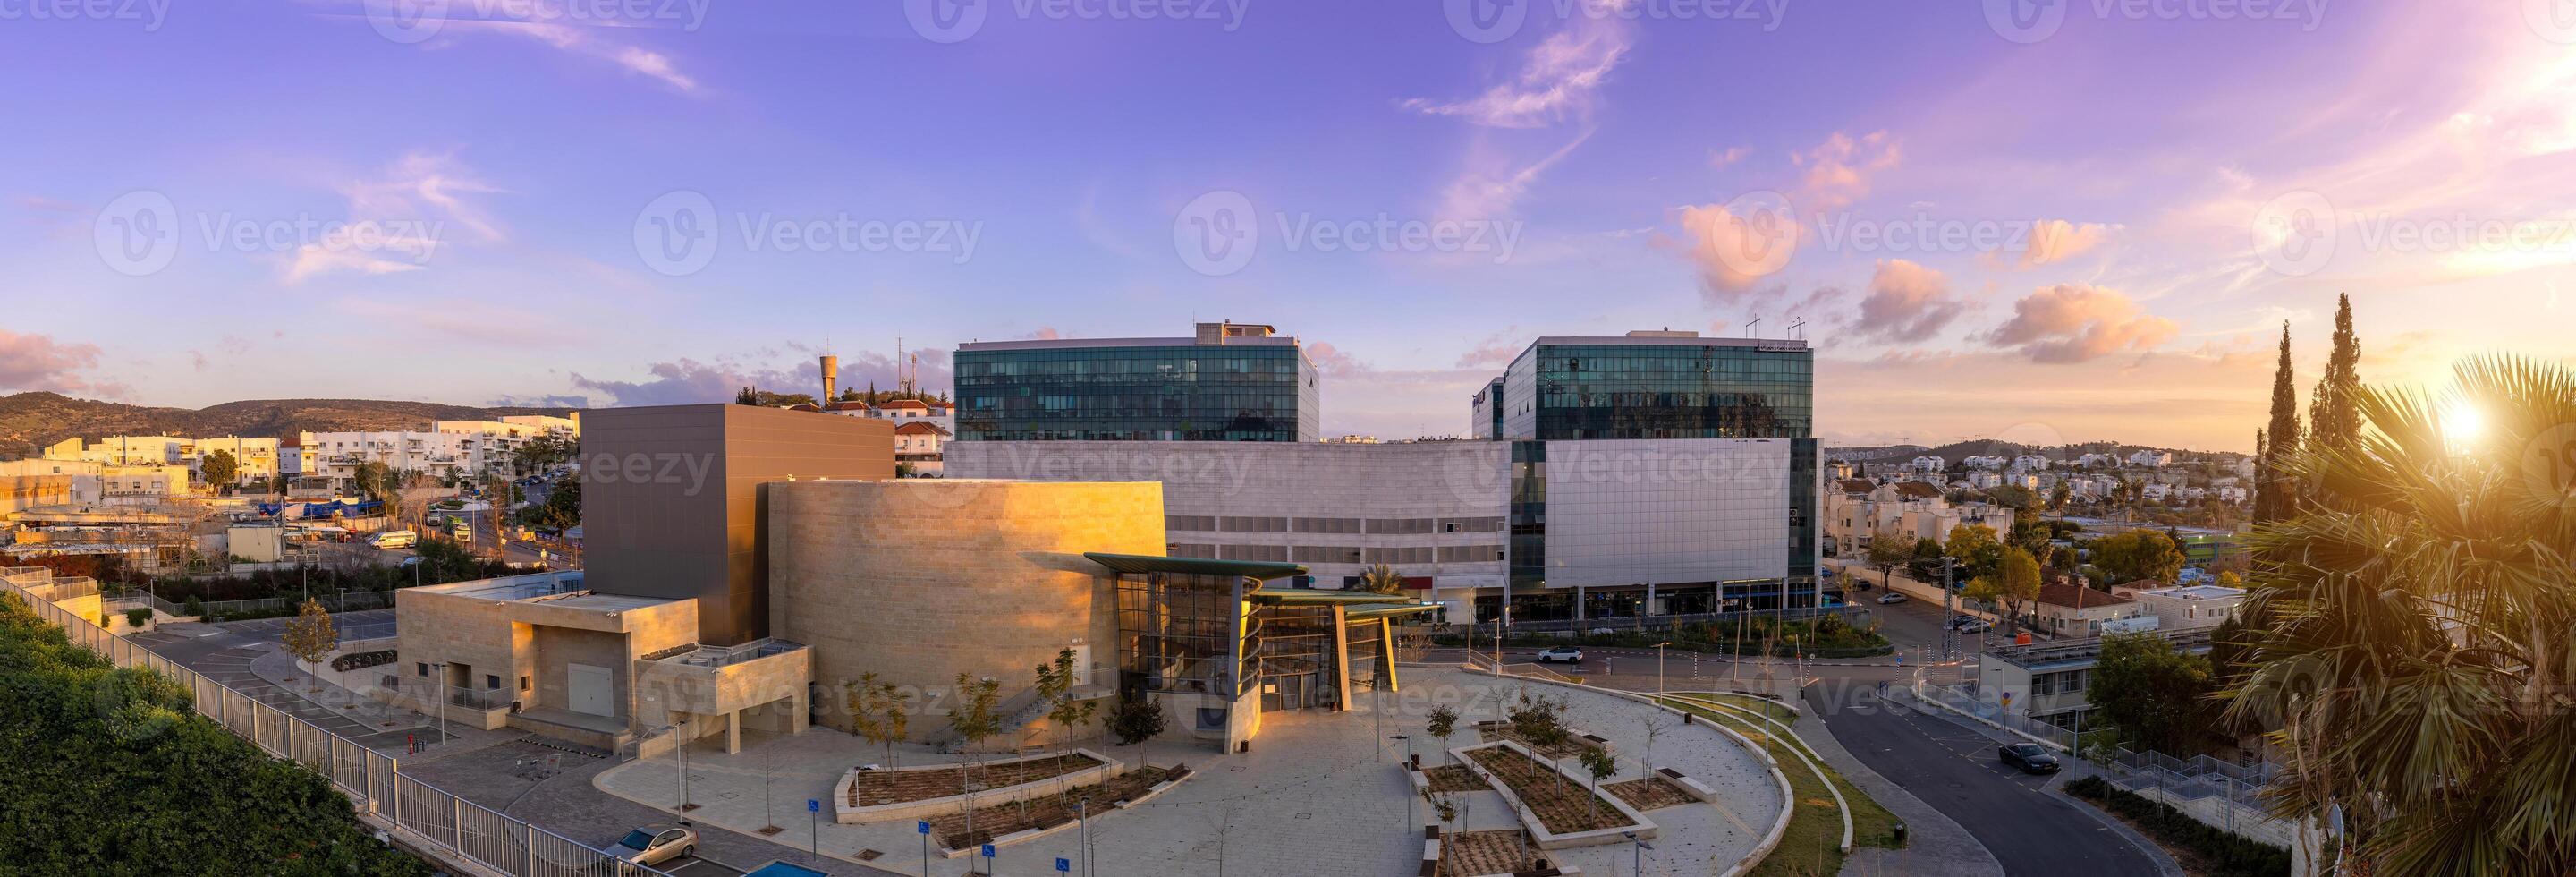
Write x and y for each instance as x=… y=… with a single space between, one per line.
x=1228 y=382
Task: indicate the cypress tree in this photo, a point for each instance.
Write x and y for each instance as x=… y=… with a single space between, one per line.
x=2276 y=497
x=2334 y=414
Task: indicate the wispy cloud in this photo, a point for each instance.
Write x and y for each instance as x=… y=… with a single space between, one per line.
x=1560 y=78
x=397 y=221
x=1838 y=171
x=30 y=361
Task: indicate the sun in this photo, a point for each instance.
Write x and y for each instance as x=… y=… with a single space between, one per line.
x=2463 y=423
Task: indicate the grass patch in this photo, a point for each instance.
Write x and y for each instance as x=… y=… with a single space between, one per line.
x=1815 y=828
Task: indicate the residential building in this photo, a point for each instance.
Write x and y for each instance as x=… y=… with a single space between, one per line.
x=1926 y=464
x=2149 y=458
x=2176 y=608
x=1230 y=382
x=1990 y=463
x=2098 y=461
x=255 y=459
x=2030 y=463
x=2048 y=681
x=2072 y=610
x=447 y=449
x=1858 y=514
x=2233 y=494
x=917 y=446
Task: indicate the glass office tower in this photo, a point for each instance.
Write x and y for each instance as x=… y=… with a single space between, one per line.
x=1577 y=392
x=1231 y=382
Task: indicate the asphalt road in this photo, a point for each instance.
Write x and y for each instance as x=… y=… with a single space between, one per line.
x=1953 y=768
x=223 y=656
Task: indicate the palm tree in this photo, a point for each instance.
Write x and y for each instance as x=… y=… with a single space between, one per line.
x=1381 y=579
x=2408 y=641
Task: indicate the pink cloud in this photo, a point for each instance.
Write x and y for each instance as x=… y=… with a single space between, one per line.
x=36 y=362
x=1906 y=302
x=1839 y=169
x=2073 y=322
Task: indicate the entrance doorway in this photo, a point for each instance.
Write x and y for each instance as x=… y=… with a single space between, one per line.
x=590 y=690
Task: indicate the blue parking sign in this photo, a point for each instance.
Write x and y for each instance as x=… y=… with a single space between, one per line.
x=988 y=851
x=922 y=827
x=813 y=806
x=1063 y=865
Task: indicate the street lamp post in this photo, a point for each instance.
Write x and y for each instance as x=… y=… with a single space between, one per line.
x=1659 y=665
x=1409 y=818
x=1636 y=853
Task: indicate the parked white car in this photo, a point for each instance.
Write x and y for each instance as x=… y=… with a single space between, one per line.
x=1891 y=597
x=1567 y=654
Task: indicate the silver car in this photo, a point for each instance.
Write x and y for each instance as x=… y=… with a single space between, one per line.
x=655 y=844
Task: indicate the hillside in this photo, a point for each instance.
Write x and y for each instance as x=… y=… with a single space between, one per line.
x=30 y=421
x=1956 y=451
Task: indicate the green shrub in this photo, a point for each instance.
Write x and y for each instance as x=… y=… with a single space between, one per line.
x=106 y=771
x=194 y=607
x=138 y=617
x=2230 y=855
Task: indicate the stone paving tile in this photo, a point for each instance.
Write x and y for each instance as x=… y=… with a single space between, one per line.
x=1319 y=794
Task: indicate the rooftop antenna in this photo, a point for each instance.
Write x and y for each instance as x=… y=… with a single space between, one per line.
x=1798 y=328
x=1754 y=327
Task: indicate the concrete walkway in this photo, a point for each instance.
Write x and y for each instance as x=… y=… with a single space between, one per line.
x=1319 y=794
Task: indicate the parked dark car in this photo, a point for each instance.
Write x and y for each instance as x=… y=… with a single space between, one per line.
x=2030 y=757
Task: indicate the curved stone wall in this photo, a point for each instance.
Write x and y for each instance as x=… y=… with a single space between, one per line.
x=918 y=580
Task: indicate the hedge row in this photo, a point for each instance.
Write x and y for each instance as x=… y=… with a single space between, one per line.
x=2228 y=855
x=107 y=771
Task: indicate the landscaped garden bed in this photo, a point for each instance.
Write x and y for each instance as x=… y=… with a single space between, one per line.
x=1048 y=811
x=1559 y=810
x=918 y=792
x=869 y=788
x=1476 y=853
x=1575 y=742
x=1455 y=778
x=1649 y=793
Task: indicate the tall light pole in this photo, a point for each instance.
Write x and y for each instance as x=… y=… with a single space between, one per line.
x=1636 y=853
x=1659 y=665
x=1409 y=818
x=1950 y=612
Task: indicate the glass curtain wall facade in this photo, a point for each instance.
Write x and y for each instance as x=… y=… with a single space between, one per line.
x=1175 y=392
x=1660 y=391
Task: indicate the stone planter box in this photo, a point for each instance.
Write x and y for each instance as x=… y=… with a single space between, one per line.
x=1029 y=834
x=1694 y=788
x=845 y=814
x=1644 y=828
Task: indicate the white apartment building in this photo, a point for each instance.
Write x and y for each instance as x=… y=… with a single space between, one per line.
x=1857 y=514
x=1986 y=463
x=1926 y=464
x=2150 y=459
x=2232 y=494
x=2178 y=608
x=457 y=448
x=2098 y=461
x=255 y=459
x=2030 y=463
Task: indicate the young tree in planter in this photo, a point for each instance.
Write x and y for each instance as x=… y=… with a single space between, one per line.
x=1602 y=765
x=975 y=720
x=880 y=712
x=1443 y=722
x=1135 y=719
x=311 y=638
x=1055 y=687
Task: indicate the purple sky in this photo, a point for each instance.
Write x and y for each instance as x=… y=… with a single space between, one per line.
x=2050 y=223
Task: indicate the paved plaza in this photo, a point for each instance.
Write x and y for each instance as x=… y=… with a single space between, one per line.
x=1319 y=794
